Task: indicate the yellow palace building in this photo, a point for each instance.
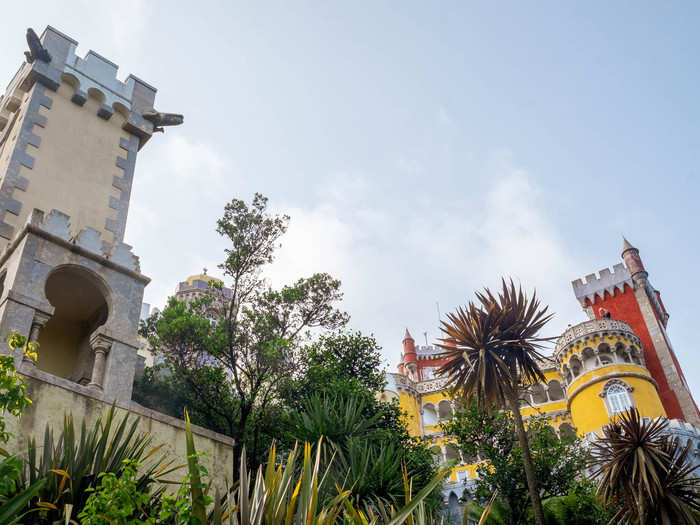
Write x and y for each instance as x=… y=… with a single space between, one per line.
x=619 y=358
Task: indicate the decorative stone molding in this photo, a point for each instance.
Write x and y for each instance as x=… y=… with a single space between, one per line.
x=589 y=329
x=613 y=374
x=614 y=382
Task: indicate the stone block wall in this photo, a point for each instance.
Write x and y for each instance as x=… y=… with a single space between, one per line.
x=52 y=397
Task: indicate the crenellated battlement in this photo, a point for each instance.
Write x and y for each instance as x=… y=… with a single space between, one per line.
x=605 y=281
x=57 y=224
x=91 y=76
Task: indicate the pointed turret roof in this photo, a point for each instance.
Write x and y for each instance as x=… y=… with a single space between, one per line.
x=626 y=245
x=407 y=335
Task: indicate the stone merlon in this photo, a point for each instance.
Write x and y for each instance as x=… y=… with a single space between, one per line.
x=92 y=74
x=607 y=281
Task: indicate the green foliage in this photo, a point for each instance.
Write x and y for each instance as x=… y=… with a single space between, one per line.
x=74 y=462
x=117 y=499
x=558 y=463
x=580 y=506
x=361 y=452
x=13 y=399
x=14 y=509
x=492 y=351
x=644 y=474
x=237 y=365
x=340 y=363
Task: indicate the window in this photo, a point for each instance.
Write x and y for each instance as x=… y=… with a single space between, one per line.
x=618 y=399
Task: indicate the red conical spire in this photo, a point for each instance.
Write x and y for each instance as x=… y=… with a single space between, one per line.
x=409 y=348
x=630 y=255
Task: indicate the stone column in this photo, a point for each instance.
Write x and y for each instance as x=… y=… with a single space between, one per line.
x=40 y=319
x=100 y=344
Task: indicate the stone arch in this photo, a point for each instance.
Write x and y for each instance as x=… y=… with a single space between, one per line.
x=81 y=304
x=622 y=354
x=389 y=397
x=453 y=506
x=539 y=395
x=575 y=366
x=96 y=94
x=566 y=374
x=430 y=416
x=555 y=389
x=444 y=409
x=635 y=355
x=566 y=431
x=121 y=110
x=605 y=355
x=71 y=80
x=589 y=358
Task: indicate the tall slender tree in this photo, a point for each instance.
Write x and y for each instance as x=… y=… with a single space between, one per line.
x=235 y=348
x=492 y=346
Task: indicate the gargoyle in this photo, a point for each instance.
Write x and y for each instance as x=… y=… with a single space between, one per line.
x=36 y=49
x=162 y=119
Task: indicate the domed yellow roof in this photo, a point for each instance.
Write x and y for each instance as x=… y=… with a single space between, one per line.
x=202 y=277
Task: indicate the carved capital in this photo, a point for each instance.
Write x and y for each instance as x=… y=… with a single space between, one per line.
x=100 y=343
x=40 y=318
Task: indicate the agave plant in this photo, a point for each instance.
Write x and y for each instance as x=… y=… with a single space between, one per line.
x=492 y=351
x=72 y=463
x=644 y=473
x=289 y=493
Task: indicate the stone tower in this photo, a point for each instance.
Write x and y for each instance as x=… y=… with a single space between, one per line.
x=626 y=294
x=69 y=135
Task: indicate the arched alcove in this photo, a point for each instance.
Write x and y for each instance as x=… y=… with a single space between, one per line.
x=605 y=354
x=430 y=416
x=589 y=361
x=575 y=365
x=539 y=395
x=445 y=409
x=556 y=392
x=80 y=303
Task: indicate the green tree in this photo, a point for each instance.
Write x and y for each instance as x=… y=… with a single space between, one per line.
x=335 y=396
x=235 y=350
x=557 y=463
x=348 y=362
x=492 y=351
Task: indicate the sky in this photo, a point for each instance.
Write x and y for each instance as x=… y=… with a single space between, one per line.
x=423 y=150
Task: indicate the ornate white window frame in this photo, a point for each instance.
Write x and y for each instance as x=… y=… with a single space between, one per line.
x=604 y=394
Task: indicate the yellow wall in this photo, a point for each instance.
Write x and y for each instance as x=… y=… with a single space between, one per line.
x=59 y=341
x=605 y=371
x=409 y=405
x=590 y=414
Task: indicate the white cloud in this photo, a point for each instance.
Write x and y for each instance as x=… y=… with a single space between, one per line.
x=180 y=187
x=396 y=257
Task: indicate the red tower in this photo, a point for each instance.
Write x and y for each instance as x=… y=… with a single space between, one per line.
x=410 y=358
x=626 y=294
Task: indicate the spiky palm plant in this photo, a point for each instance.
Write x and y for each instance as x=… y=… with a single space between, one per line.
x=492 y=350
x=644 y=473
x=73 y=463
